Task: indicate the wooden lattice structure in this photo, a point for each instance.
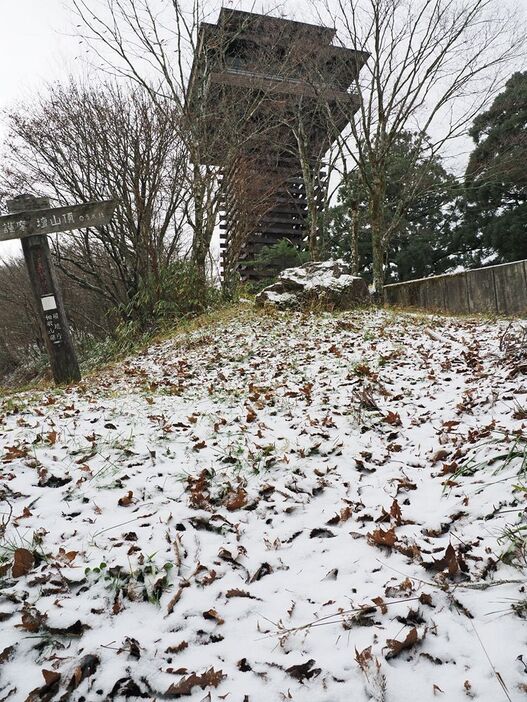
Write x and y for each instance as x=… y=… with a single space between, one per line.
x=254 y=79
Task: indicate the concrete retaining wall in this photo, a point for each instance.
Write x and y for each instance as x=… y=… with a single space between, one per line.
x=496 y=289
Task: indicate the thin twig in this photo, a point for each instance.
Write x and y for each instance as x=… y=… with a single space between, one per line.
x=496 y=674
x=334 y=618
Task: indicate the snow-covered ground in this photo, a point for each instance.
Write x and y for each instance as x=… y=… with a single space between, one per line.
x=273 y=507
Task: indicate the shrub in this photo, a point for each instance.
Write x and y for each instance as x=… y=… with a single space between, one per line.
x=271 y=260
x=177 y=292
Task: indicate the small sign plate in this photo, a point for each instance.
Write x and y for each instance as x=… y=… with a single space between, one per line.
x=49 y=303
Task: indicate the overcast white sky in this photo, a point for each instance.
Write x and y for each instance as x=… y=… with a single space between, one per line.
x=36 y=43
x=33 y=48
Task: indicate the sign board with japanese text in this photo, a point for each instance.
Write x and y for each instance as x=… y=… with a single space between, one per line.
x=30 y=219
x=56 y=219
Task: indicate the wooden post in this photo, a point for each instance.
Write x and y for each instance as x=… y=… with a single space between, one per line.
x=48 y=297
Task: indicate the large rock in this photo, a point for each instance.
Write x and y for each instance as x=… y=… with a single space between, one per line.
x=324 y=284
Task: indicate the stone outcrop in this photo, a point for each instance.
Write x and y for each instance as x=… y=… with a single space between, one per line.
x=321 y=284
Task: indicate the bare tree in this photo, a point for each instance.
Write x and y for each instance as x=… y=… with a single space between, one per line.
x=80 y=143
x=158 y=50
x=433 y=65
x=320 y=163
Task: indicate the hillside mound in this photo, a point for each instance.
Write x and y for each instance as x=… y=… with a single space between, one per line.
x=273 y=507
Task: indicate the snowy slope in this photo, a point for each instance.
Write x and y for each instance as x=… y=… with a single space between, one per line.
x=273 y=507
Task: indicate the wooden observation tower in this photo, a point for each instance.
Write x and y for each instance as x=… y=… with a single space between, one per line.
x=267 y=97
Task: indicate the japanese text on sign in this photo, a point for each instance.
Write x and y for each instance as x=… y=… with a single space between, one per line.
x=54 y=220
x=53 y=327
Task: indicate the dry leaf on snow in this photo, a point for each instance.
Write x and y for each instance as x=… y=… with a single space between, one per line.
x=86 y=667
x=236 y=499
x=303 y=671
x=32 y=619
x=127 y=500
x=23 y=562
x=7 y=654
x=397 y=647
x=51 y=438
x=239 y=593
x=47 y=691
x=213 y=616
x=380 y=604
x=383 y=538
x=451 y=561
x=210 y=678
x=14 y=452
x=50 y=676
x=393 y=418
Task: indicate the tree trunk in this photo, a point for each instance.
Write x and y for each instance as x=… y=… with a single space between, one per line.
x=377 y=236
x=377 y=263
x=312 y=212
x=354 y=243
x=199 y=249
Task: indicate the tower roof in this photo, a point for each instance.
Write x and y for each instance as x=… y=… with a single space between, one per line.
x=248 y=58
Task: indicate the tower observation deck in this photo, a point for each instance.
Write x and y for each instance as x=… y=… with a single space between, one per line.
x=267 y=97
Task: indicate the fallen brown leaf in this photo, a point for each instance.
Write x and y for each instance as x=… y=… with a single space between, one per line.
x=23 y=562
x=210 y=678
x=127 y=500
x=380 y=604
x=48 y=691
x=303 y=671
x=50 y=676
x=239 y=593
x=32 y=620
x=363 y=658
x=449 y=562
x=397 y=647
x=383 y=538
x=67 y=556
x=395 y=513
x=7 y=653
x=14 y=452
x=263 y=570
x=425 y=599
x=236 y=500
x=173 y=602
x=86 y=667
x=51 y=438
x=198 y=489
x=212 y=615
x=343 y=516
x=440 y=455
x=393 y=418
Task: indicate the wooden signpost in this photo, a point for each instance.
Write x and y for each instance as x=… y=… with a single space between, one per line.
x=30 y=220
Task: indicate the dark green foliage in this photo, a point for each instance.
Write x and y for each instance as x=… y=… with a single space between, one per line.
x=423 y=241
x=271 y=260
x=496 y=176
